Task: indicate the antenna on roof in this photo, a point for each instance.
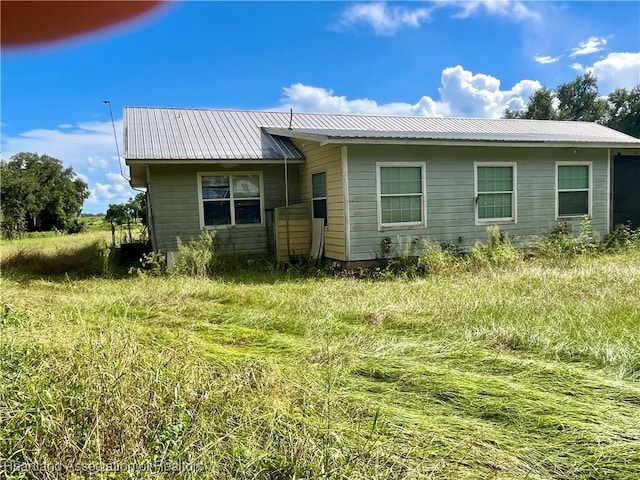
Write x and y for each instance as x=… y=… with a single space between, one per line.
x=115 y=137
x=290 y=118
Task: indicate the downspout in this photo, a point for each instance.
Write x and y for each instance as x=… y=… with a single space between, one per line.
x=276 y=147
x=286 y=190
x=286 y=203
x=150 y=216
x=610 y=174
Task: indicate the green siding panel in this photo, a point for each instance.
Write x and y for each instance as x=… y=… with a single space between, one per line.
x=450 y=192
x=174 y=199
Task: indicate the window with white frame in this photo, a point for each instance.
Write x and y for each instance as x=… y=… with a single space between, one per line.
x=573 y=189
x=319 y=195
x=230 y=199
x=401 y=194
x=495 y=192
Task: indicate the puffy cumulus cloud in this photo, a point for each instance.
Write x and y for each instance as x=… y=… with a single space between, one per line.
x=383 y=18
x=618 y=69
x=592 y=45
x=480 y=95
x=89 y=148
x=115 y=189
x=545 y=59
x=462 y=94
x=307 y=98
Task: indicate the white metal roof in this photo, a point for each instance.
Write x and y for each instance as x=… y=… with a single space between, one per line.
x=201 y=134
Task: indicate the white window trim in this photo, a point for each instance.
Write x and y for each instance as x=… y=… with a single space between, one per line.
x=514 y=198
x=228 y=174
x=589 y=191
x=403 y=225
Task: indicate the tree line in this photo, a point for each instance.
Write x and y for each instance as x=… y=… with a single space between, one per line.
x=580 y=100
x=38 y=193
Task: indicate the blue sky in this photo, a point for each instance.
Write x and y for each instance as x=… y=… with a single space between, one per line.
x=444 y=58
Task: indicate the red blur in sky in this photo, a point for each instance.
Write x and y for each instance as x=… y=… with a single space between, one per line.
x=27 y=23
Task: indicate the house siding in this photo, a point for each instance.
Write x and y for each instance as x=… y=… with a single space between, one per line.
x=173 y=190
x=450 y=196
x=293 y=222
x=326 y=159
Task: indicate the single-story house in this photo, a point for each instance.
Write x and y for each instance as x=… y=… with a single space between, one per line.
x=286 y=183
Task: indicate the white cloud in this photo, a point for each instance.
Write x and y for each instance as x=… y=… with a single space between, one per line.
x=546 y=59
x=384 y=19
x=462 y=94
x=115 y=190
x=480 y=95
x=592 y=45
x=618 y=69
x=504 y=8
x=577 y=67
x=388 y=19
x=88 y=147
x=96 y=163
x=315 y=99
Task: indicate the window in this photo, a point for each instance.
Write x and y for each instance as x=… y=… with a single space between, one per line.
x=573 y=192
x=495 y=192
x=319 y=194
x=401 y=196
x=230 y=199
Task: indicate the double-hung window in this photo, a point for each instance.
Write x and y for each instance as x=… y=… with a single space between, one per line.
x=230 y=199
x=495 y=185
x=573 y=189
x=401 y=194
x=319 y=195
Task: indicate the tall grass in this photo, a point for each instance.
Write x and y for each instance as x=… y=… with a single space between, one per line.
x=529 y=371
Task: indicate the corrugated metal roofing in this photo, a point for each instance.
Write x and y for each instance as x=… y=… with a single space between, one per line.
x=201 y=134
x=598 y=136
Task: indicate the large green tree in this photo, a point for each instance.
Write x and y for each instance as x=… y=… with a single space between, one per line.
x=580 y=100
x=624 y=111
x=39 y=194
x=540 y=107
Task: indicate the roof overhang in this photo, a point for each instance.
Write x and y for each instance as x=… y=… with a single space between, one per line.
x=339 y=137
x=138 y=167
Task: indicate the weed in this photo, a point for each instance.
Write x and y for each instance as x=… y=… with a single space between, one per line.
x=198 y=257
x=436 y=259
x=622 y=237
x=152 y=263
x=498 y=251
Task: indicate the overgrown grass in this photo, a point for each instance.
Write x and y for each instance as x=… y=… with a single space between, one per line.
x=525 y=372
x=75 y=255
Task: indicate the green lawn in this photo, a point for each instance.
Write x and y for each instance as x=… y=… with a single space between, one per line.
x=530 y=372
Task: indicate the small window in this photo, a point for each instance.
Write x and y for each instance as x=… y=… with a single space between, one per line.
x=401 y=195
x=319 y=194
x=230 y=199
x=573 y=194
x=495 y=193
